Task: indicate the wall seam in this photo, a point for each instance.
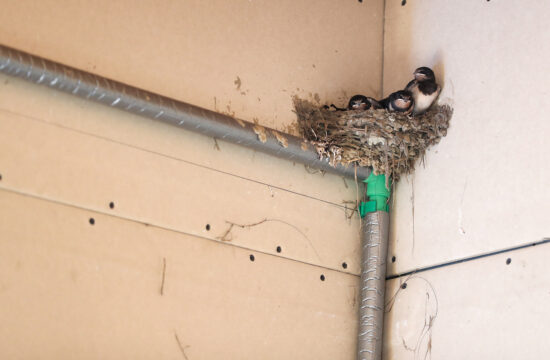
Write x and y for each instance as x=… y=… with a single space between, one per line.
x=122 y=217
x=383 y=48
x=167 y=156
x=468 y=259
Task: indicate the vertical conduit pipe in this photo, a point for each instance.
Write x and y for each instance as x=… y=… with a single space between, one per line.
x=374 y=245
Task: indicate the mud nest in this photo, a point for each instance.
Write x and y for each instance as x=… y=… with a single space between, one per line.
x=388 y=142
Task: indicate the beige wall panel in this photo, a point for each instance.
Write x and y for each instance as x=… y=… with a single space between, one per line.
x=486 y=185
x=70 y=167
x=72 y=290
x=38 y=102
x=246 y=57
x=483 y=309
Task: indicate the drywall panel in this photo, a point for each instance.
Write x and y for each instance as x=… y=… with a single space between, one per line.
x=18 y=96
x=486 y=185
x=483 y=309
x=121 y=290
x=243 y=57
x=71 y=167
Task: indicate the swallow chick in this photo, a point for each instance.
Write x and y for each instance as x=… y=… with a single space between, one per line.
x=424 y=89
x=359 y=102
x=400 y=101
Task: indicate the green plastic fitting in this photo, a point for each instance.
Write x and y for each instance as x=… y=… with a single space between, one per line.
x=377 y=195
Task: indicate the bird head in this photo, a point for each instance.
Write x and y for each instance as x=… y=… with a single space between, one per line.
x=402 y=99
x=423 y=74
x=359 y=102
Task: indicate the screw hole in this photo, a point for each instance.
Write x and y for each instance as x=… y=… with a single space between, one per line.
x=403 y=2
x=404 y=286
x=92 y=221
x=207 y=227
x=393 y=259
x=508 y=261
x=0 y=177
x=344 y=265
x=279 y=249
x=322 y=277
x=111 y=205
x=251 y=257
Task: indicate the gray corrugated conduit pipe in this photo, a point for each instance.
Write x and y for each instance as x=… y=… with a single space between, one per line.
x=374 y=245
x=160 y=108
x=170 y=111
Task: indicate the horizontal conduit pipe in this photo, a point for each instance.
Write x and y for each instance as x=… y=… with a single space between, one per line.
x=124 y=97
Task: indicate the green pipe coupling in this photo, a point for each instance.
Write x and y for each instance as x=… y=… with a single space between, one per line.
x=377 y=195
